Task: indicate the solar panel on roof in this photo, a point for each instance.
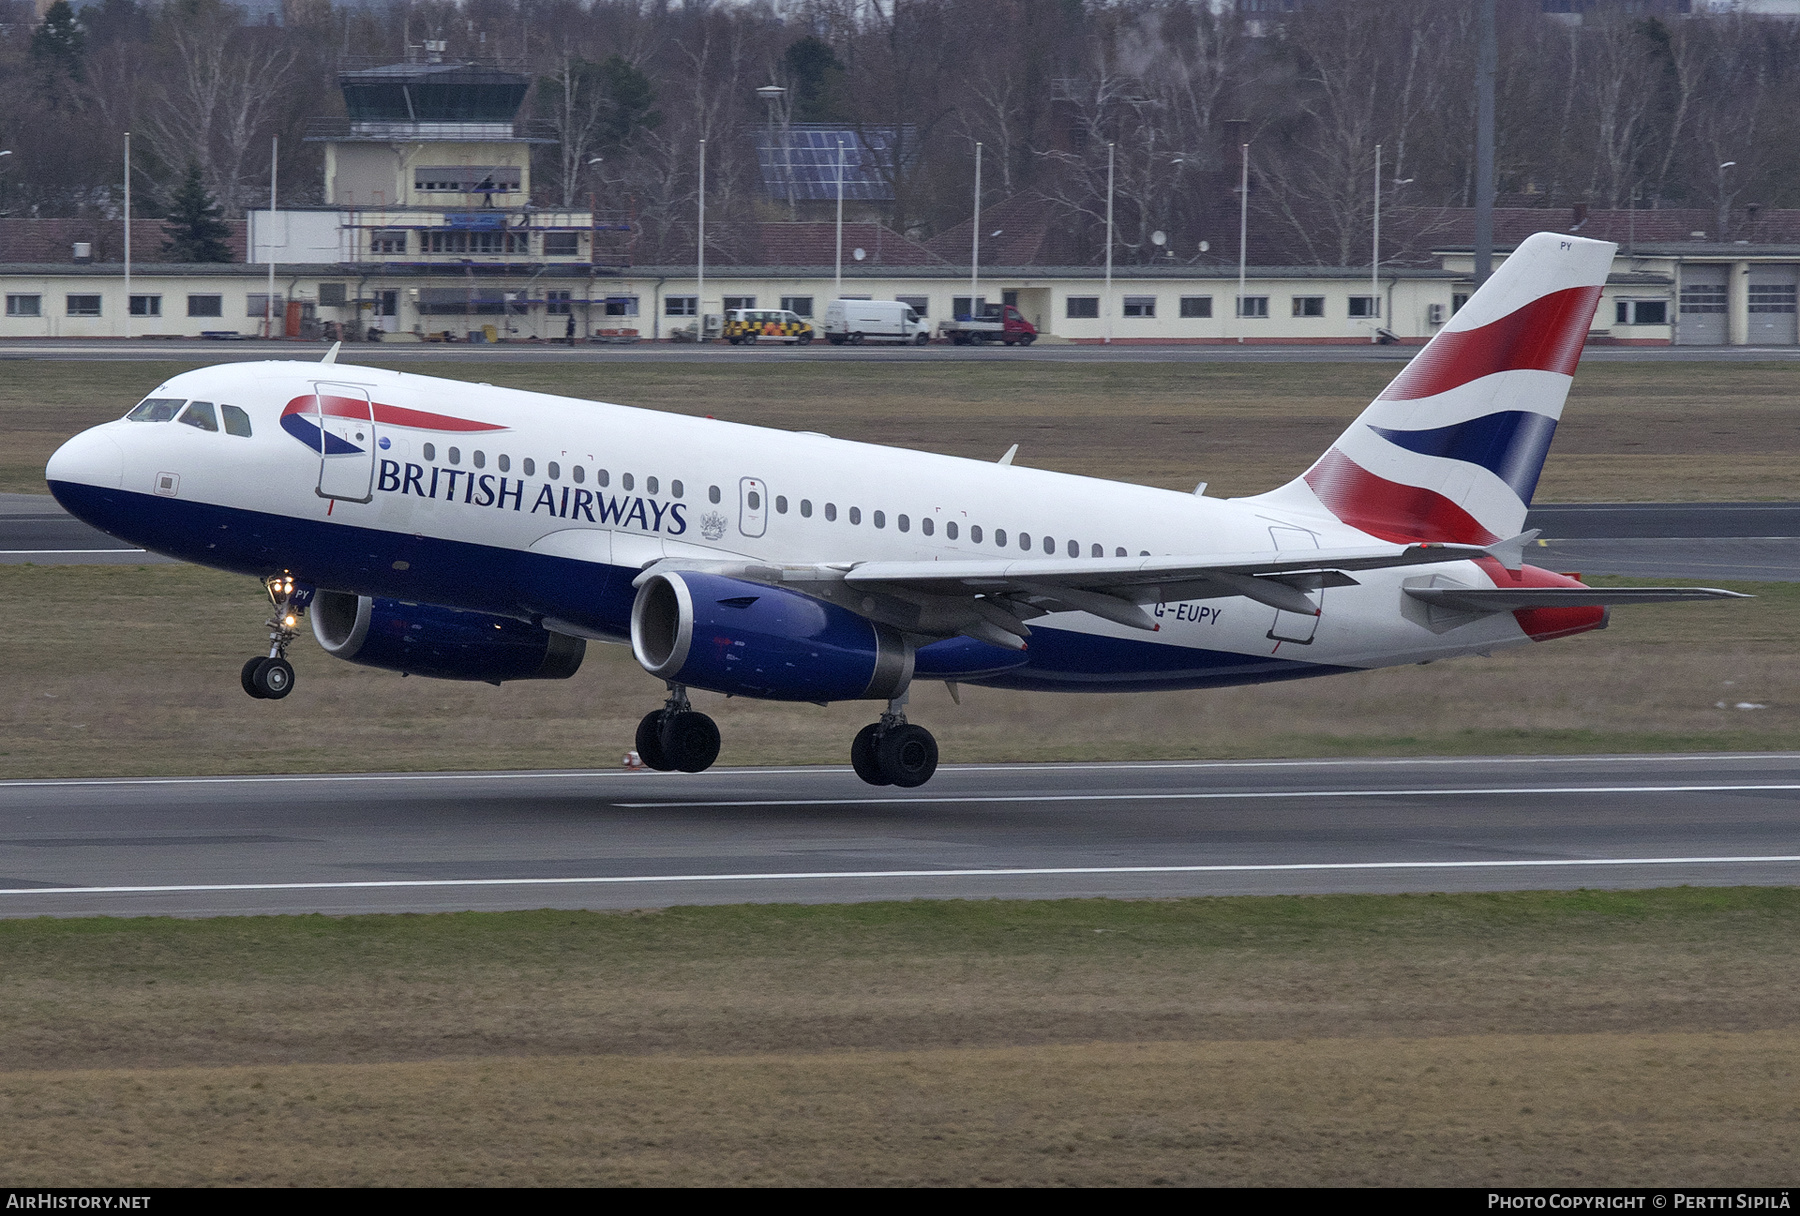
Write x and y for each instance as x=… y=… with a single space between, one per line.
x=804 y=164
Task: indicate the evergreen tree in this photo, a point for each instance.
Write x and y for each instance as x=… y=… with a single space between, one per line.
x=57 y=44
x=818 y=79
x=630 y=99
x=195 y=229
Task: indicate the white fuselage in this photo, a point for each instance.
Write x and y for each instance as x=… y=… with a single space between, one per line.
x=596 y=489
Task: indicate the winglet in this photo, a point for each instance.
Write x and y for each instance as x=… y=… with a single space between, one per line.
x=1010 y=453
x=331 y=355
x=1511 y=553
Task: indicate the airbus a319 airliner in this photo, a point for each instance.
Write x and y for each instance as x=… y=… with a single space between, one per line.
x=475 y=533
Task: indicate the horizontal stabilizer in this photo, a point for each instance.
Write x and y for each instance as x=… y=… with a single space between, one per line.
x=1510 y=599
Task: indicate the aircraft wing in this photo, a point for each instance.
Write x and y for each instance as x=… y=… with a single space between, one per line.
x=991 y=598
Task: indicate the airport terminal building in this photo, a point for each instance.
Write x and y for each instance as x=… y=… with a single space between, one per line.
x=429 y=234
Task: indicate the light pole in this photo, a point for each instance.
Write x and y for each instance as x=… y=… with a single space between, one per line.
x=1243 y=232
x=838 y=276
x=1107 y=338
x=269 y=299
x=975 y=236
x=1375 y=257
x=700 y=260
x=774 y=94
x=7 y=152
x=1724 y=202
x=128 y=234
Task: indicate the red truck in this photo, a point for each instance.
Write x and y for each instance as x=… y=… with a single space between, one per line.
x=997 y=323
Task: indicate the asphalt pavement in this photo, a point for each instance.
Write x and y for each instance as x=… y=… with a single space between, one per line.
x=617 y=839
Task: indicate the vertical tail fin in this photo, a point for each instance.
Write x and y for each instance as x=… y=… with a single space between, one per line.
x=1452 y=449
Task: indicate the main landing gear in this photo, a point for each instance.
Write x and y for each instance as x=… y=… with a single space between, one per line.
x=893 y=751
x=271 y=677
x=677 y=737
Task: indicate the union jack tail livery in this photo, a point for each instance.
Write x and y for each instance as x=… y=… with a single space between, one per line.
x=1452 y=449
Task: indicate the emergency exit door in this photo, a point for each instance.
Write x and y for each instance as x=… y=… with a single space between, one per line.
x=753 y=507
x=1296 y=626
x=346 y=442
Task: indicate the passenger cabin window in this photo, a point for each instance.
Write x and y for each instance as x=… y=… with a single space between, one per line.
x=237 y=422
x=530 y=466
x=674 y=489
x=856 y=515
x=455 y=455
x=480 y=460
x=880 y=519
x=831 y=511
x=650 y=484
x=781 y=504
x=503 y=463
x=602 y=477
x=578 y=473
x=806 y=508
x=949 y=529
x=555 y=470
x=975 y=534
x=430 y=451
x=156 y=409
x=999 y=536
x=625 y=480
x=200 y=416
x=712 y=493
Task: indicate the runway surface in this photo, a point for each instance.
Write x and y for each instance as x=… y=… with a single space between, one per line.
x=447 y=842
x=202 y=351
x=1721 y=541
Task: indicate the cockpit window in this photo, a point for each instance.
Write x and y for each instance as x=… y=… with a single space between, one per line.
x=199 y=414
x=156 y=409
x=237 y=422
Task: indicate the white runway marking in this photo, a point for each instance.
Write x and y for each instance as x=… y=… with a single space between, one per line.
x=61 y=552
x=1242 y=795
x=826 y=875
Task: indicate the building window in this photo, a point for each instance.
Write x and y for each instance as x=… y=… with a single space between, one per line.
x=206 y=306
x=921 y=305
x=468 y=179
x=332 y=295
x=1366 y=307
x=681 y=306
x=1765 y=297
x=24 y=306
x=456 y=240
x=1140 y=306
x=621 y=306
x=1641 y=312
x=556 y=303
x=146 y=306
x=1309 y=306
x=84 y=306
x=1196 y=306
x=1083 y=307
x=800 y=306
x=388 y=240
x=254 y=306
x=732 y=302
x=1253 y=306
x=562 y=244
x=1457 y=300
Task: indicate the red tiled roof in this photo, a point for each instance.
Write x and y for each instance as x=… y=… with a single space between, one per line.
x=53 y=240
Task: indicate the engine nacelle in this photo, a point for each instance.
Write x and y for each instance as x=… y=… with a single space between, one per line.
x=733 y=636
x=426 y=640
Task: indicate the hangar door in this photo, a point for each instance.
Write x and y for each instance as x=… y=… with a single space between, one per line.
x=1703 y=306
x=1772 y=305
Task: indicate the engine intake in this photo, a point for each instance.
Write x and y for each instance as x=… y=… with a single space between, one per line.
x=733 y=636
x=426 y=640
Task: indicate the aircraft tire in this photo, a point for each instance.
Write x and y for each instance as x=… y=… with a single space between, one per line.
x=273 y=678
x=862 y=755
x=908 y=756
x=690 y=742
x=649 y=742
x=248 y=677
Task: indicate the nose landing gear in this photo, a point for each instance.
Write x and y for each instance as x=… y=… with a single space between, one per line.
x=893 y=751
x=677 y=737
x=271 y=677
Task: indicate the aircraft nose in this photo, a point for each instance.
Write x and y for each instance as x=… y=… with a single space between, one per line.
x=92 y=458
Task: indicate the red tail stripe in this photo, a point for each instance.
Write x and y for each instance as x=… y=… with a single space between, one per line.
x=1394 y=512
x=1545 y=335
x=389 y=415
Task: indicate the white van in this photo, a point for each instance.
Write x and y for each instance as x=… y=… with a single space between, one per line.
x=857 y=321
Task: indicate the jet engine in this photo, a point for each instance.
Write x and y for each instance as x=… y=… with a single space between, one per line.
x=426 y=640
x=733 y=636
